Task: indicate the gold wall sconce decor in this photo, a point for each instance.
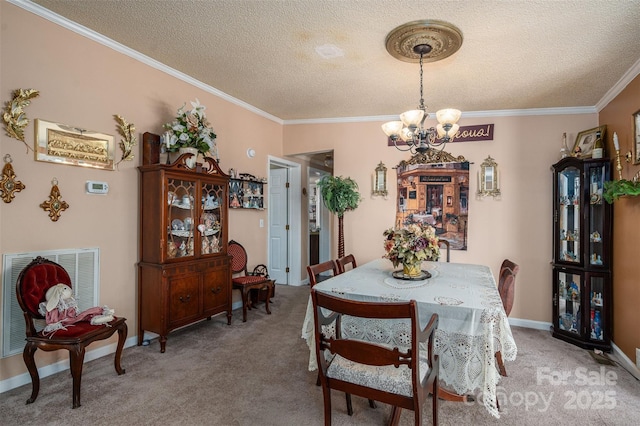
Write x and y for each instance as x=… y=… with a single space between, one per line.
x=488 y=181
x=8 y=184
x=380 y=181
x=15 y=119
x=54 y=205
x=126 y=130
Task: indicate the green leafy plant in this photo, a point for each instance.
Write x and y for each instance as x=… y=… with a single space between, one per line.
x=339 y=195
x=618 y=188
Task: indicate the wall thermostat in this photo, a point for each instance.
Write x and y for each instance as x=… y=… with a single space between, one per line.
x=94 y=187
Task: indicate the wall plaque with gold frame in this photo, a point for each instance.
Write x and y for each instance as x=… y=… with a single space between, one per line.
x=62 y=144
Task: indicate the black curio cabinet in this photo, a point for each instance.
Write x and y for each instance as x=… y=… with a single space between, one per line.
x=582 y=231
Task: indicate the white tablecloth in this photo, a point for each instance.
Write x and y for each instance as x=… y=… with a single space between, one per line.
x=472 y=323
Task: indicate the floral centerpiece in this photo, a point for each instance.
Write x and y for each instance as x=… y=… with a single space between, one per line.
x=191 y=129
x=410 y=245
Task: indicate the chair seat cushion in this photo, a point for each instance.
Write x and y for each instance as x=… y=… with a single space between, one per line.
x=386 y=378
x=77 y=330
x=248 y=280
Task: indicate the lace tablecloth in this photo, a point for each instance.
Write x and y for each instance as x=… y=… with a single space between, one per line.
x=472 y=323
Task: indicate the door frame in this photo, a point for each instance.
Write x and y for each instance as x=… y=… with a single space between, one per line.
x=294 y=195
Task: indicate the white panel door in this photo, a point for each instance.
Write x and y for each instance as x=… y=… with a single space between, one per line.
x=278 y=221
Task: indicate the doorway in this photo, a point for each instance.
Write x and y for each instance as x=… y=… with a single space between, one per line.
x=284 y=215
x=319 y=219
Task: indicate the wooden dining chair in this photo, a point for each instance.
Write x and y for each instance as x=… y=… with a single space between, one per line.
x=258 y=280
x=345 y=261
x=402 y=377
x=31 y=288
x=314 y=271
x=506 y=288
x=444 y=244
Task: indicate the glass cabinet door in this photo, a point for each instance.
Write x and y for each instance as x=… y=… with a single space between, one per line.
x=597 y=296
x=568 y=221
x=597 y=176
x=569 y=297
x=210 y=228
x=180 y=218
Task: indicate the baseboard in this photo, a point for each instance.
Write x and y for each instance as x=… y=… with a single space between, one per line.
x=63 y=365
x=536 y=325
x=625 y=362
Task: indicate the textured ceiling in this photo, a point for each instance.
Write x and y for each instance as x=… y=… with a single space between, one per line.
x=517 y=54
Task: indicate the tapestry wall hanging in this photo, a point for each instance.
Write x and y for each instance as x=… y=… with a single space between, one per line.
x=436 y=194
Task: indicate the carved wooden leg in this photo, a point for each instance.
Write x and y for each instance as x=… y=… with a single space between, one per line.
x=434 y=401
x=163 y=343
x=349 y=406
x=395 y=416
x=245 y=296
x=326 y=393
x=122 y=336
x=30 y=362
x=269 y=292
x=77 y=359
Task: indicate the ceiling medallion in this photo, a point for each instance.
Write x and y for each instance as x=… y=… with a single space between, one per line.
x=444 y=39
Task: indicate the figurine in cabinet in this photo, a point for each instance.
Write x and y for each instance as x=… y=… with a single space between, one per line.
x=172 y=250
x=234 y=200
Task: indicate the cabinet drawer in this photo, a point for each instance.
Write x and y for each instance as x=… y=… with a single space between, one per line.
x=183 y=298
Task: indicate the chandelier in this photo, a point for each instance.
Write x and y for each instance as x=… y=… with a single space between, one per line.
x=423 y=41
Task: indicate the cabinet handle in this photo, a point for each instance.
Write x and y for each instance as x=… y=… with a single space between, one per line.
x=185 y=299
x=216 y=290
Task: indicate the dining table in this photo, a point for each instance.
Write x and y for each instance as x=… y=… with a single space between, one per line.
x=473 y=325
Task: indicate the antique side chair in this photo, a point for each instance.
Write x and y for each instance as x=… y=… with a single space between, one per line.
x=31 y=288
x=314 y=271
x=344 y=261
x=506 y=288
x=402 y=377
x=258 y=280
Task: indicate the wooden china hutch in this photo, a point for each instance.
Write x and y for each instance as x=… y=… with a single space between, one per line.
x=582 y=243
x=184 y=271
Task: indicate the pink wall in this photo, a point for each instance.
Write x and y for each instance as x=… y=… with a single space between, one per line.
x=517 y=226
x=83 y=83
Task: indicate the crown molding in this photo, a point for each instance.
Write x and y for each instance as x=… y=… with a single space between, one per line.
x=626 y=78
x=465 y=114
x=118 y=47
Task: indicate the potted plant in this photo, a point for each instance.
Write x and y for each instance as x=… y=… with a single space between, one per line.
x=618 y=188
x=191 y=131
x=339 y=195
x=410 y=245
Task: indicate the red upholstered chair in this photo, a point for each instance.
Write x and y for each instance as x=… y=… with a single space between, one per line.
x=32 y=285
x=506 y=288
x=257 y=280
x=344 y=261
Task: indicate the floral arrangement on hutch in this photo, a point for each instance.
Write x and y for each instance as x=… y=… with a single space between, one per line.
x=191 y=129
x=410 y=245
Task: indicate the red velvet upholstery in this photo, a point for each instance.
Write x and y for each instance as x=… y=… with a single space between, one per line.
x=36 y=282
x=31 y=288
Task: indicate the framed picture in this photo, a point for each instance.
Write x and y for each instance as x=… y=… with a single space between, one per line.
x=636 y=137
x=585 y=141
x=62 y=144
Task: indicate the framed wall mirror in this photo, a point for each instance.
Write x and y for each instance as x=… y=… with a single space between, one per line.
x=380 y=181
x=488 y=182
